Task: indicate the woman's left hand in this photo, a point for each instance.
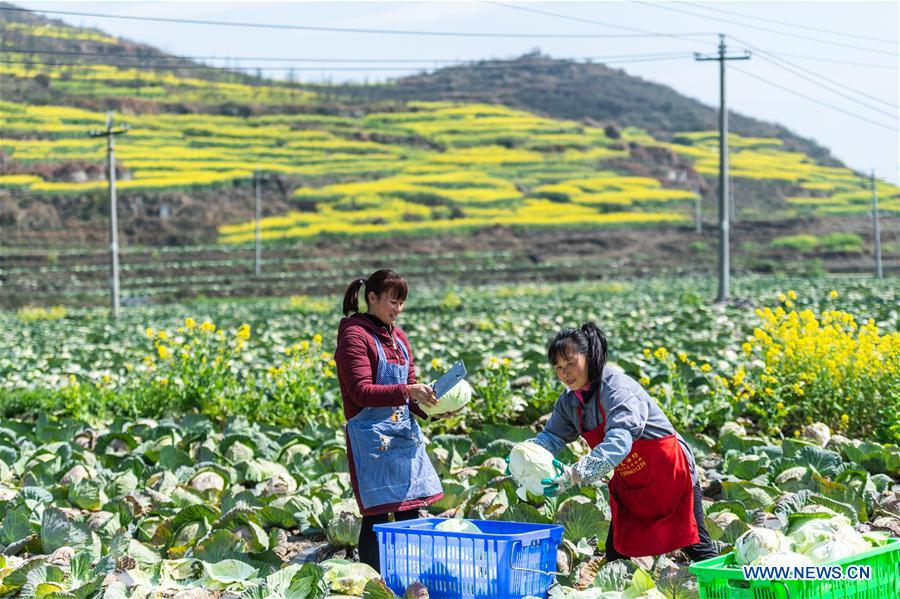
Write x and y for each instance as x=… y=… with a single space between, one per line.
x=565 y=478
x=422 y=394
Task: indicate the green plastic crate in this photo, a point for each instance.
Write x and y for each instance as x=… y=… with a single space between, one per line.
x=716 y=580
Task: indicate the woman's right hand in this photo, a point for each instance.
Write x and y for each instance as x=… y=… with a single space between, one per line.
x=422 y=394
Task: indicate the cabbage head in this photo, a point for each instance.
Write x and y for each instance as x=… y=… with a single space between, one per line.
x=788 y=558
x=845 y=543
x=345 y=525
x=454 y=399
x=348 y=578
x=811 y=533
x=723 y=518
x=529 y=464
x=457 y=525
x=759 y=542
x=733 y=428
x=818 y=433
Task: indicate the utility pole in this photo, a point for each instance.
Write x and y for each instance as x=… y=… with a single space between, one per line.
x=878 y=272
x=110 y=134
x=258 y=232
x=732 y=211
x=724 y=267
x=698 y=210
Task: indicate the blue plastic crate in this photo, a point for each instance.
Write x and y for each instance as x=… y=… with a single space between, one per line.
x=506 y=560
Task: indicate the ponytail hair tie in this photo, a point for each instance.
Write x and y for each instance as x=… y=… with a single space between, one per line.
x=362 y=281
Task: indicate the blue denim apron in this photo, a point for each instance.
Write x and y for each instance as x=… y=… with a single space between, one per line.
x=388 y=446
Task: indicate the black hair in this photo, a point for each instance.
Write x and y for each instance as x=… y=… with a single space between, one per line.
x=589 y=341
x=378 y=282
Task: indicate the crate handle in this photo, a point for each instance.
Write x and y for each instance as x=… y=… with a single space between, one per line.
x=512 y=551
x=787 y=591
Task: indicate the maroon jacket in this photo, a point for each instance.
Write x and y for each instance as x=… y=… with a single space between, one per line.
x=356 y=358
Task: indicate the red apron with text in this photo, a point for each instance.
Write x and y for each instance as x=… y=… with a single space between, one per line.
x=651 y=495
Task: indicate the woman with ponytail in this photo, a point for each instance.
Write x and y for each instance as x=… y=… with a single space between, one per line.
x=389 y=469
x=654 y=493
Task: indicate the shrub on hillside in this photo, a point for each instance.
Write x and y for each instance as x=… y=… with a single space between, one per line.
x=800 y=243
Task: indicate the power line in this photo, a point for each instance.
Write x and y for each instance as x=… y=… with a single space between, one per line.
x=821 y=103
x=670 y=56
x=512 y=61
x=688 y=37
x=818 y=59
x=328 y=60
x=767 y=29
x=763 y=54
x=797 y=73
x=789 y=24
x=334 y=29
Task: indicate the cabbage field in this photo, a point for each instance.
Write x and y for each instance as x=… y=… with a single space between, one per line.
x=197 y=451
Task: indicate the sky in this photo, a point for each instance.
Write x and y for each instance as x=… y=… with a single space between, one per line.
x=829 y=71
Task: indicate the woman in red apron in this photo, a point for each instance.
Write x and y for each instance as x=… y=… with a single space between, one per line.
x=389 y=468
x=655 y=497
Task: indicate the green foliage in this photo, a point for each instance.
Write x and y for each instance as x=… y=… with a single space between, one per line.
x=841 y=242
x=800 y=243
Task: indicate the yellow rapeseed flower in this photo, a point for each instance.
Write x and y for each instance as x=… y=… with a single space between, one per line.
x=317 y=338
x=436 y=363
x=644 y=381
x=792 y=294
x=781 y=297
x=207 y=327
x=190 y=322
x=833 y=294
x=163 y=351
x=163 y=335
x=845 y=419
x=243 y=331
x=705 y=368
x=747 y=347
x=149 y=332
x=647 y=352
x=661 y=353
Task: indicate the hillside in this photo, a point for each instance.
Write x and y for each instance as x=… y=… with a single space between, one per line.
x=536 y=83
x=569 y=90
x=352 y=163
